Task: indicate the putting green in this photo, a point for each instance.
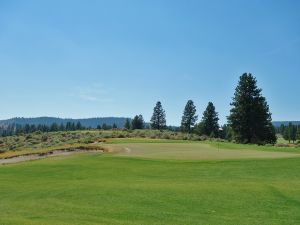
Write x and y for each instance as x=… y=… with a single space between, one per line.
x=192 y=151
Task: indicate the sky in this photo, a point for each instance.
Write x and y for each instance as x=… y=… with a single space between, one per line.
x=80 y=59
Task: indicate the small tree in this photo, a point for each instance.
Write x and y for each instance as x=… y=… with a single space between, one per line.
x=189 y=117
x=210 y=120
x=138 y=122
x=114 y=126
x=158 y=119
x=127 y=124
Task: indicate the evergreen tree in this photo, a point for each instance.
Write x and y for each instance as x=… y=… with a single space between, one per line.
x=127 y=124
x=287 y=134
x=210 y=120
x=294 y=133
x=228 y=132
x=32 y=128
x=114 y=126
x=158 y=119
x=250 y=118
x=27 y=128
x=54 y=127
x=138 y=122
x=104 y=126
x=298 y=133
x=68 y=126
x=290 y=133
x=189 y=117
x=199 y=129
x=282 y=129
x=78 y=126
x=73 y=126
x=61 y=127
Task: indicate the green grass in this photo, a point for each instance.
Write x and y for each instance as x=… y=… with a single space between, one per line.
x=195 y=151
x=108 y=189
x=212 y=183
x=230 y=145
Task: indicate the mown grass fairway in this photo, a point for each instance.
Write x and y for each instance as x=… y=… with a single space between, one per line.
x=95 y=188
x=195 y=151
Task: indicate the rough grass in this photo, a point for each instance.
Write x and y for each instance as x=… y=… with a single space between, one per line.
x=106 y=189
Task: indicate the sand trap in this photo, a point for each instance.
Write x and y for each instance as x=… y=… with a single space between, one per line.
x=36 y=156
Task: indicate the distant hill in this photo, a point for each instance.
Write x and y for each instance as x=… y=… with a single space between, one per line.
x=90 y=122
x=278 y=123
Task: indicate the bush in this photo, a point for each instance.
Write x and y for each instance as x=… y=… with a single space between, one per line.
x=29 y=136
x=120 y=135
x=282 y=145
x=269 y=145
x=166 y=136
x=195 y=138
x=44 y=138
x=203 y=138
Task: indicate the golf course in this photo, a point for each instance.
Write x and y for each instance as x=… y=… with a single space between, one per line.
x=155 y=182
x=149 y=112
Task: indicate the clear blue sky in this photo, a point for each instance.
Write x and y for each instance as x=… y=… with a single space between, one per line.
x=117 y=58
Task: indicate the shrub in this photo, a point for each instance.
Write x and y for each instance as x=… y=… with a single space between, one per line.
x=29 y=136
x=44 y=138
x=282 y=145
x=269 y=145
x=166 y=136
x=203 y=138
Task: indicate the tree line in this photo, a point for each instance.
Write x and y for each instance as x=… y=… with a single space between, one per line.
x=291 y=132
x=249 y=121
x=13 y=129
x=17 y=129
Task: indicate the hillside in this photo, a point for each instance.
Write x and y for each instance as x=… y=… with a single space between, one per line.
x=89 y=122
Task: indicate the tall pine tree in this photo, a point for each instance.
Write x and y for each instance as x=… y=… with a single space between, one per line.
x=209 y=123
x=250 y=118
x=158 y=119
x=189 y=117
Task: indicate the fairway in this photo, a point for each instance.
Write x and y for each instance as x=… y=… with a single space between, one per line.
x=193 y=151
x=107 y=189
